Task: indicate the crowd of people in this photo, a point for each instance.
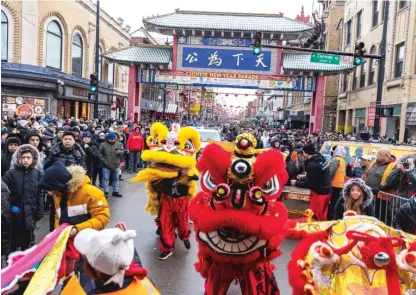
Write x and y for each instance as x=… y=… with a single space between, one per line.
x=52 y=166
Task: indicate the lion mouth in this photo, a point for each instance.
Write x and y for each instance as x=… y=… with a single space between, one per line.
x=230 y=241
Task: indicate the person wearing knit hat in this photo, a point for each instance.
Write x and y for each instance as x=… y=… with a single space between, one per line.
x=34 y=139
x=111 y=151
x=4 y=133
x=317 y=180
x=111 y=263
x=92 y=153
x=11 y=145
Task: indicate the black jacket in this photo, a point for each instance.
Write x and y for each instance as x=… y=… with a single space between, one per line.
x=405 y=218
x=92 y=157
x=368 y=198
x=6 y=159
x=317 y=176
x=74 y=156
x=24 y=189
x=6 y=219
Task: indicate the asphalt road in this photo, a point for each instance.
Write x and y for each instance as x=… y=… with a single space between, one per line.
x=175 y=276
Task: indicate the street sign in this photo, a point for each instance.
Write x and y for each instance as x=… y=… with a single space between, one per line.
x=176 y=87
x=325 y=58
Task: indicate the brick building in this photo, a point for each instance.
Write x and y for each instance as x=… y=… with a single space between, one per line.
x=48 y=54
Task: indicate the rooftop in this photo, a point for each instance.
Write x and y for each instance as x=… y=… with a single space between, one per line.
x=141 y=54
x=224 y=21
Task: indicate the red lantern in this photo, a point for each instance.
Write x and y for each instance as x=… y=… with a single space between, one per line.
x=226 y=94
x=257 y=92
x=236 y=95
x=114 y=108
x=216 y=93
x=246 y=94
x=262 y=92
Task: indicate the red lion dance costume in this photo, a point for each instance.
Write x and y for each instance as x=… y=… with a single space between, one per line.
x=357 y=255
x=171 y=180
x=237 y=220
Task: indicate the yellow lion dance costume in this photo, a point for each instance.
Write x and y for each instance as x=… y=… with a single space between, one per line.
x=171 y=181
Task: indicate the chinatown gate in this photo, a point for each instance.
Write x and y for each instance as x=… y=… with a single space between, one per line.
x=213 y=49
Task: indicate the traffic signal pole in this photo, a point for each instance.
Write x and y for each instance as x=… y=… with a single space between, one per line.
x=381 y=69
x=97 y=57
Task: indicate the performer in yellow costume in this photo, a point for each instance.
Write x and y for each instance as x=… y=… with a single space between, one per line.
x=171 y=181
x=357 y=255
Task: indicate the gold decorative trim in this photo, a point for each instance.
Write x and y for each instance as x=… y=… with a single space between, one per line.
x=17 y=26
x=42 y=39
x=85 y=48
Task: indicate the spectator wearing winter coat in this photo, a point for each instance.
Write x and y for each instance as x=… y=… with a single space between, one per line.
x=50 y=130
x=92 y=153
x=405 y=218
x=34 y=139
x=6 y=219
x=110 y=153
x=4 y=134
x=337 y=174
x=27 y=196
x=358 y=171
x=98 y=171
x=59 y=135
x=317 y=180
x=135 y=146
x=12 y=143
x=402 y=178
x=355 y=196
x=68 y=152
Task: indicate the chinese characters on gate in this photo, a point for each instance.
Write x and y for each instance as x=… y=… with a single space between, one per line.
x=226 y=59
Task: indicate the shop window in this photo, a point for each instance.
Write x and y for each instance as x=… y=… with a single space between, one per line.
x=4 y=36
x=54 y=46
x=345 y=83
x=399 y=60
x=77 y=50
x=354 y=80
x=403 y=3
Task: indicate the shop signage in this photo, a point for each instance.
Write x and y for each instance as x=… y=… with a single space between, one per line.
x=371 y=116
x=225 y=59
x=411 y=114
x=24 y=106
x=215 y=79
x=80 y=92
x=103 y=112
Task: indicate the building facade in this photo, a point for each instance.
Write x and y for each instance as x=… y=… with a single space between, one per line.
x=363 y=22
x=48 y=54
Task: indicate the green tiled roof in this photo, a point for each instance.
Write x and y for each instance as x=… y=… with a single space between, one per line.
x=146 y=54
x=201 y=20
x=301 y=62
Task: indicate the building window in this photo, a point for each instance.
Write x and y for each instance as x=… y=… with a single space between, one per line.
x=363 y=72
x=372 y=67
x=77 y=54
x=345 y=83
x=399 y=60
x=110 y=79
x=4 y=36
x=403 y=3
x=375 y=13
x=54 y=46
x=348 y=32
x=359 y=14
x=354 y=80
x=100 y=65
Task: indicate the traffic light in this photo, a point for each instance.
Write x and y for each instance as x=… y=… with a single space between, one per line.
x=358 y=53
x=257 y=43
x=93 y=85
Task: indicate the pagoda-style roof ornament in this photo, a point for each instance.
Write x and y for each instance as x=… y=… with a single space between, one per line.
x=227 y=24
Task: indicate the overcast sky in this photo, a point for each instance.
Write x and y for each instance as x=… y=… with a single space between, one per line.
x=132 y=11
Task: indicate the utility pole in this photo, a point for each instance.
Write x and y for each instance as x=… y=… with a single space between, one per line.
x=381 y=69
x=164 y=103
x=97 y=57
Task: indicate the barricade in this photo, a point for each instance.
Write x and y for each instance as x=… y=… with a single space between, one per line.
x=386 y=207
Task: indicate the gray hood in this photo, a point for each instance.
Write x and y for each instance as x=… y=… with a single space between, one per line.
x=368 y=194
x=22 y=149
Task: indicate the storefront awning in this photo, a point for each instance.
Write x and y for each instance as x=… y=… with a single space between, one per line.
x=170 y=108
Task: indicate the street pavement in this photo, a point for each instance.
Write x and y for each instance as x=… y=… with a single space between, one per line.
x=175 y=276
